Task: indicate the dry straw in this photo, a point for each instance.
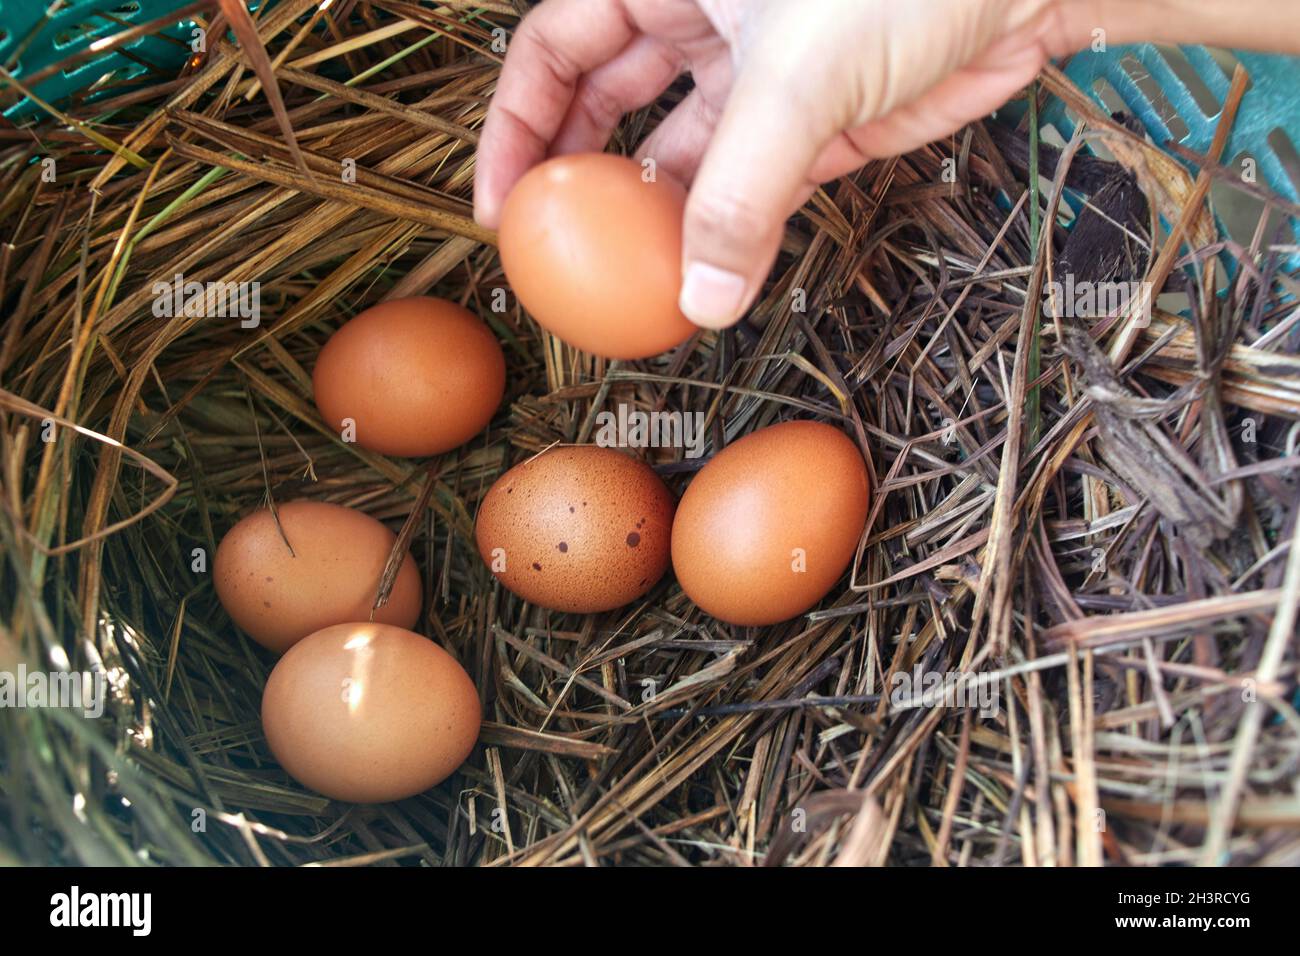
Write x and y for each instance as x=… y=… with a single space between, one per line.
x=1110 y=544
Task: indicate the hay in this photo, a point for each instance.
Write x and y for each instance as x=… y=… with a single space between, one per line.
x=1100 y=541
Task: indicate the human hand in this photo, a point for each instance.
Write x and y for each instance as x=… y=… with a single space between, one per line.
x=788 y=94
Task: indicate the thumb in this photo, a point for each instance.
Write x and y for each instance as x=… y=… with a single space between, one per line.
x=754 y=174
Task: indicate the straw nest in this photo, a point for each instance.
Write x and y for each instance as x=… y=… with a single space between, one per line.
x=1095 y=515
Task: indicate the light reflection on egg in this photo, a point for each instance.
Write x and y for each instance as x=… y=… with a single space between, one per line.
x=369 y=713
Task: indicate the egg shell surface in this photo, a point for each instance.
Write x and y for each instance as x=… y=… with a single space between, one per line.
x=578 y=529
x=770 y=523
x=593 y=251
x=415 y=376
x=331 y=576
x=369 y=713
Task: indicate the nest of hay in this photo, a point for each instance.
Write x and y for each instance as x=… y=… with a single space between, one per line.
x=1095 y=516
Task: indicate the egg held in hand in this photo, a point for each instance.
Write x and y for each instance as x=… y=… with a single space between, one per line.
x=369 y=713
x=592 y=245
x=410 y=377
x=327 y=573
x=769 y=525
x=580 y=529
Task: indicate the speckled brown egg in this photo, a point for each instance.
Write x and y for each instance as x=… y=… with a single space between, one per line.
x=769 y=525
x=369 y=713
x=327 y=573
x=410 y=377
x=581 y=529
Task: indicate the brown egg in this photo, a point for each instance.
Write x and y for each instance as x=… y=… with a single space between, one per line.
x=580 y=529
x=594 y=253
x=767 y=527
x=369 y=713
x=331 y=576
x=412 y=376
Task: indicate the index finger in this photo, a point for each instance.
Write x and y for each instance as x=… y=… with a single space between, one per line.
x=554 y=46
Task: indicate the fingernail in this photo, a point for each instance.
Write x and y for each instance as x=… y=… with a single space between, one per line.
x=711 y=297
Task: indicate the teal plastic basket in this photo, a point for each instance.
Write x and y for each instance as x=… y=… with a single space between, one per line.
x=1266 y=126
x=33 y=38
x=1178 y=96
